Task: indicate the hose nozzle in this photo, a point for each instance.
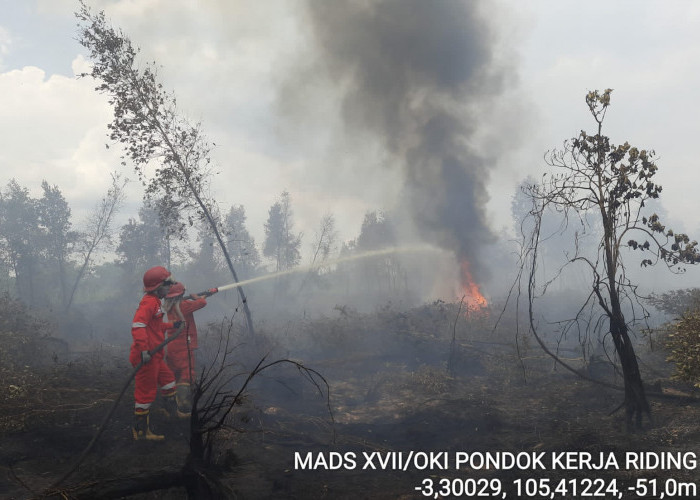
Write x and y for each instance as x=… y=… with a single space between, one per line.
x=206 y=293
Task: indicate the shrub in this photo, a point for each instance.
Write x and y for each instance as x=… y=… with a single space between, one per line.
x=683 y=342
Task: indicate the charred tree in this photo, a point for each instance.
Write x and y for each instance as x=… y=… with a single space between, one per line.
x=605 y=189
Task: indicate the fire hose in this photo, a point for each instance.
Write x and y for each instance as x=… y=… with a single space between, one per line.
x=206 y=293
x=127 y=382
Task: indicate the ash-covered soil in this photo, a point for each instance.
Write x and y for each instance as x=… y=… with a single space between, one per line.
x=398 y=383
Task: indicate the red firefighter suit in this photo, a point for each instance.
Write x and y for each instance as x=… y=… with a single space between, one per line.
x=148 y=331
x=179 y=358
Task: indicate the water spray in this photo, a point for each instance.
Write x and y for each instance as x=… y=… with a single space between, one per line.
x=349 y=258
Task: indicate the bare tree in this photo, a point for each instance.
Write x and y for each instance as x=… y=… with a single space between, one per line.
x=602 y=185
x=99 y=230
x=149 y=126
x=325 y=244
x=326 y=237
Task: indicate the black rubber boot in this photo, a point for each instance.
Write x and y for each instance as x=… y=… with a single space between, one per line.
x=170 y=406
x=183 y=398
x=141 y=429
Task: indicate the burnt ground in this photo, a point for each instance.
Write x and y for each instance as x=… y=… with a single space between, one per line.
x=392 y=389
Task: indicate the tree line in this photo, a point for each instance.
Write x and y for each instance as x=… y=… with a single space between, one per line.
x=44 y=257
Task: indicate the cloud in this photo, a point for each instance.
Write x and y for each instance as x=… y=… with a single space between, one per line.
x=54 y=128
x=286 y=115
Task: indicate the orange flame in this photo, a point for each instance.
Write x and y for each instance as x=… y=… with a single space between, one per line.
x=470 y=289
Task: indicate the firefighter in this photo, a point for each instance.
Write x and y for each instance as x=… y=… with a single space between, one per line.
x=148 y=331
x=180 y=356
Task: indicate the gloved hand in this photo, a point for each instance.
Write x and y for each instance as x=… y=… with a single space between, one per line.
x=212 y=291
x=145 y=356
x=178 y=324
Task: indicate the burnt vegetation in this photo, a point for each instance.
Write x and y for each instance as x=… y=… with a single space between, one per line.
x=343 y=354
x=441 y=376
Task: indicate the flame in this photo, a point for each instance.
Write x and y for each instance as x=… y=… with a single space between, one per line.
x=470 y=289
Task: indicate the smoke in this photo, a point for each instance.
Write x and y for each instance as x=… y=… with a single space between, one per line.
x=417 y=77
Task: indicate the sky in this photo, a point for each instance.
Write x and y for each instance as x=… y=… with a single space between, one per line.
x=343 y=104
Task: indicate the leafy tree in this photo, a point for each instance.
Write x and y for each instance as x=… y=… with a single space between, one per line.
x=171 y=228
x=683 y=342
x=241 y=245
x=377 y=273
x=142 y=244
x=682 y=335
x=281 y=245
x=376 y=232
x=37 y=242
x=21 y=237
x=152 y=131
x=54 y=216
x=599 y=183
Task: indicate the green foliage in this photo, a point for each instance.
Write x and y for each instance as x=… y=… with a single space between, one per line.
x=21 y=234
x=142 y=243
x=36 y=242
x=38 y=245
x=54 y=215
x=684 y=345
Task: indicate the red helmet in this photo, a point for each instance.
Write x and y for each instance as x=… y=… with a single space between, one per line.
x=155 y=277
x=175 y=290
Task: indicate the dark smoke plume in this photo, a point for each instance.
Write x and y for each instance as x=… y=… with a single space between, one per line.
x=414 y=70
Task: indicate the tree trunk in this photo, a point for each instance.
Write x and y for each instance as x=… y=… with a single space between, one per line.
x=77 y=281
x=635 y=403
x=222 y=245
x=62 y=278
